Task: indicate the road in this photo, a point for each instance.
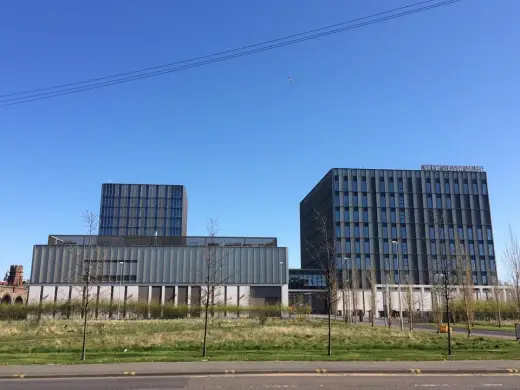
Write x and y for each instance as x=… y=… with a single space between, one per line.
x=262 y=382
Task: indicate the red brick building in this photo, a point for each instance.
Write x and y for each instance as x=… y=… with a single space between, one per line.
x=13 y=290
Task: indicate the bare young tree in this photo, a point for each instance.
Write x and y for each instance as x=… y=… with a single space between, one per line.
x=410 y=305
x=387 y=296
x=372 y=284
x=345 y=290
x=496 y=299
x=464 y=278
x=88 y=268
x=214 y=278
x=322 y=251
x=511 y=262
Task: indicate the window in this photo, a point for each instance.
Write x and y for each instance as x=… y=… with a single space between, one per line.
x=367 y=262
x=479 y=234
x=430 y=202
x=382 y=199
x=470 y=233
x=356 y=231
x=473 y=264
x=450 y=233
x=401 y=201
x=382 y=185
x=348 y=248
x=396 y=277
x=492 y=265
x=439 y=202
x=404 y=247
x=447 y=187
x=338 y=232
x=484 y=278
x=392 y=201
x=358 y=262
x=364 y=201
x=475 y=279
x=405 y=261
x=471 y=249
x=358 y=246
x=347 y=216
x=385 y=231
x=365 y=215
x=489 y=234
x=392 y=217
x=383 y=215
x=387 y=263
x=461 y=233
x=441 y=233
x=336 y=184
x=354 y=185
x=428 y=186
x=483 y=265
x=403 y=232
x=402 y=218
x=394 y=231
x=356 y=215
x=385 y=247
x=336 y=198
x=364 y=184
x=356 y=201
x=448 y=202
x=466 y=188
x=345 y=184
x=367 y=246
x=475 y=187
x=337 y=214
x=452 y=247
x=365 y=231
x=432 y=233
x=400 y=186
x=438 y=187
x=347 y=231
x=391 y=186
x=457 y=187
x=484 y=188
x=345 y=200
x=490 y=250
x=433 y=248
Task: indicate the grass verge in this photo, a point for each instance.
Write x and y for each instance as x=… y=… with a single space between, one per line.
x=59 y=342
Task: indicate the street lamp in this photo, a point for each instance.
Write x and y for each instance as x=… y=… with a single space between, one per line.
x=120 y=286
x=396 y=251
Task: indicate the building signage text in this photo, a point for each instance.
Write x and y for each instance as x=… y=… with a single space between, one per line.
x=453 y=168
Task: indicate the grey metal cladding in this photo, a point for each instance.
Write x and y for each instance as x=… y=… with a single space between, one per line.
x=162 y=265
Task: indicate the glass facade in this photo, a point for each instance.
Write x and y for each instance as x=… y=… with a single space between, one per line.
x=306 y=279
x=143 y=210
x=419 y=214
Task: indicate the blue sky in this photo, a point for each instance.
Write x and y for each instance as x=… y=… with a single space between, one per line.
x=439 y=87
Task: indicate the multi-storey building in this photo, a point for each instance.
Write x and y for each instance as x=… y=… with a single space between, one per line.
x=400 y=222
x=143 y=210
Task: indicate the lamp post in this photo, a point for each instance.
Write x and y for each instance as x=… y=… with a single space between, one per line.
x=396 y=251
x=120 y=286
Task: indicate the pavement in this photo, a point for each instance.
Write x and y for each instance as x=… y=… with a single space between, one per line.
x=248 y=368
x=272 y=382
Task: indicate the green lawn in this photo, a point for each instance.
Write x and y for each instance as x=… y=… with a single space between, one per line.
x=181 y=340
x=487 y=326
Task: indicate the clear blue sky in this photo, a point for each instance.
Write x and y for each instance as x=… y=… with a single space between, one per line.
x=439 y=87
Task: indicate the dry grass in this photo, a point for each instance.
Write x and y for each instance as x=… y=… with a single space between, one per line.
x=169 y=340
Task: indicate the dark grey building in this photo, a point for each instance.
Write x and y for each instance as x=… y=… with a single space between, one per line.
x=143 y=210
x=400 y=219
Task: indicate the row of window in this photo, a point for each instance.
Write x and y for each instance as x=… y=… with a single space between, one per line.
x=142 y=190
x=471 y=248
x=460 y=233
x=363 y=187
x=431 y=200
x=142 y=203
x=115 y=231
x=363 y=231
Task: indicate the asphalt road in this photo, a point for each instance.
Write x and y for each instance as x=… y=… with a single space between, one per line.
x=262 y=382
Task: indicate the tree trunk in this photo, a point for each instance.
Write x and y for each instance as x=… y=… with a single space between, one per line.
x=204 y=343
x=446 y=296
x=329 y=352
x=85 y=317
